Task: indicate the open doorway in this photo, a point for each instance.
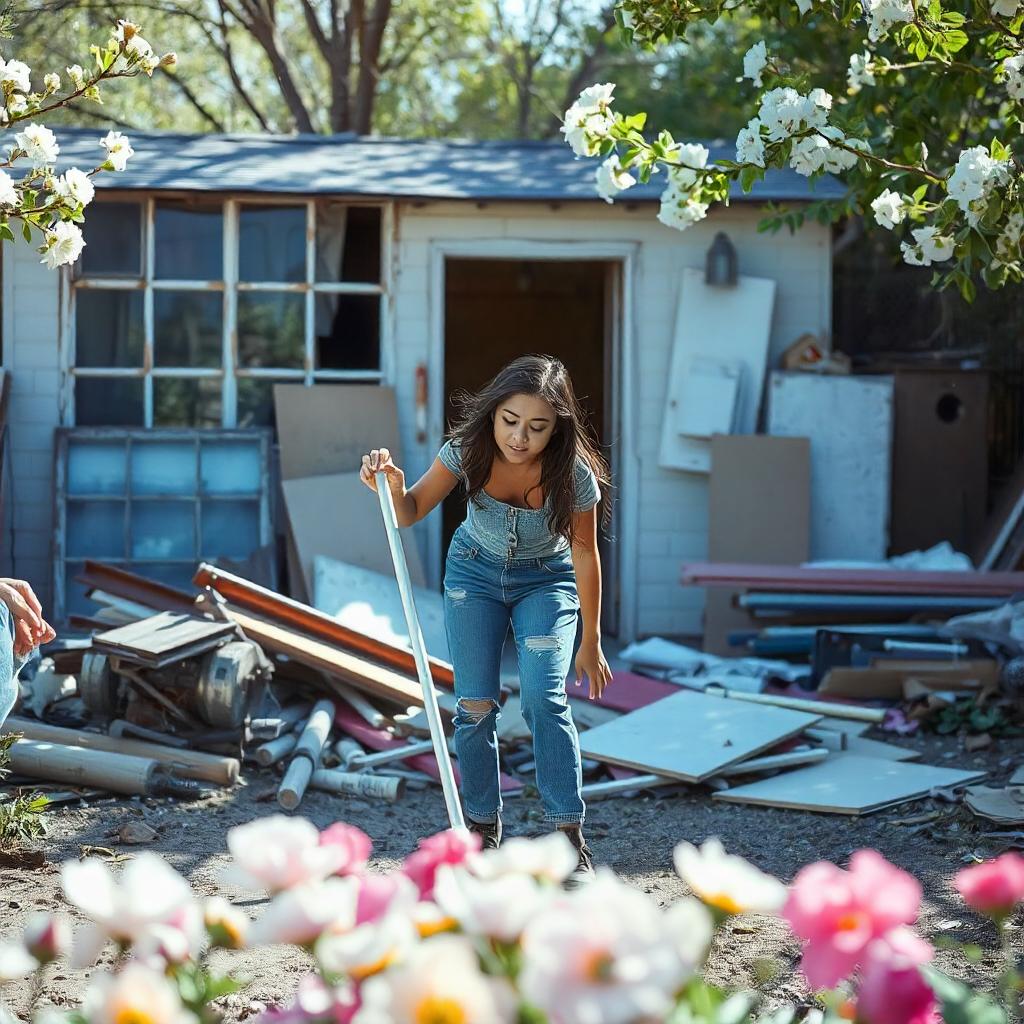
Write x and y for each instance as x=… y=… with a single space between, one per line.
x=497 y=309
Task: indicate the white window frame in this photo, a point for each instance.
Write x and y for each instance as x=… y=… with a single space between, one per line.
x=229 y=372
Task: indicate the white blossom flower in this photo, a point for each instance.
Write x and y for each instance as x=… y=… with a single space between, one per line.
x=226 y=925
x=839 y=157
x=755 y=60
x=1009 y=240
x=17 y=74
x=596 y=97
x=889 y=208
x=883 y=14
x=784 y=112
x=550 y=858
x=975 y=176
x=440 y=981
x=1013 y=76
x=17 y=104
x=277 y=852
x=497 y=908
x=1005 y=8
x=612 y=178
x=749 y=147
x=606 y=954
x=301 y=914
x=47 y=936
x=588 y=121
x=39 y=144
x=15 y=961
x=809 y=155
x=367 y=948
x=860 y=72
x=726 y=882
x=76 y=186
x=77 y=75
x=51 y=81
x=8 y=193
x=118 y=149
x=138 y=993
x=927 y=248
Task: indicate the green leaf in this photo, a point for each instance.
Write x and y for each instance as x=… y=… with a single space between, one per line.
x=960 y=1004
x=636 y=121
x=954 y=41
x=26 y=231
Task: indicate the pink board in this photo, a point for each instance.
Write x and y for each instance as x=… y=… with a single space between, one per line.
x=628 y=691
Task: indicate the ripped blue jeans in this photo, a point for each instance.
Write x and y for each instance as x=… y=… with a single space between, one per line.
x=484 y=595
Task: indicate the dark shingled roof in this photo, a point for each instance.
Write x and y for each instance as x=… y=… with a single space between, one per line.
x=350 y=165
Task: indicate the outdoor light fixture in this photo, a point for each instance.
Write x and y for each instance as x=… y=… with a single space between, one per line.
x=720 y=270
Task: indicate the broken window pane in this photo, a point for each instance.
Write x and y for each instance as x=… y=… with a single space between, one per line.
x=231 y=529
x=230 y=467
x=187 y=402
x=187 y=328
x=113 y=240
x=108 y=327
x=348 y=332
x=348 y=243
x=189 y=241
x=95 y=529
x=108 y=402
x=271 y=329
x=166 y=467
x=95 y=469
x=272 y=243
x=163 y=529
x=256 y=402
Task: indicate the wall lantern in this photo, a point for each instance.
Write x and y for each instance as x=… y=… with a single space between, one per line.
x=720 y=270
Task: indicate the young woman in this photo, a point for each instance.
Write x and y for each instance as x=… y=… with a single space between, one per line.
x=526 y=556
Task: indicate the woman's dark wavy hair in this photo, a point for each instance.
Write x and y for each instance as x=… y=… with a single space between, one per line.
x=545 y=377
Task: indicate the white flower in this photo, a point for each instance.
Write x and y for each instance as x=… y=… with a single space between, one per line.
x=749 y=147
x=440 y=981
x=51 y=81
x=680 y=212
x=62 y=246
x=755 y=60
x=39 y=144
x=596 y=97
x=889 y=209
x=278 y=852
x=369 y=947
x=77 y=75
x=76 y=186
x=820 y=98
x=588 y=121
x=838 y=157
x=809 y=155
x=301 y=914
x=860 y=72
x=47 y=936
x=137 y=48
x=727 y=882
x=1013 y=76
x=606 y=954
x=784 y=112
x=137 y=993
x=690 y=154
x=17 y=104
x=17 y=74
x=883 y=14
x=1005 y=8
x=1008 y=242
x=8 y=193
x=551 y=858
x=226 y=924
x=975 y=175
x=497 y=908
x=612 y=178
x=15 y=961
x=118 y=149
x=149 y=892
x=927 y=248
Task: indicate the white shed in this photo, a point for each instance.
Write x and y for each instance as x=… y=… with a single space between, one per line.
x=217 y=265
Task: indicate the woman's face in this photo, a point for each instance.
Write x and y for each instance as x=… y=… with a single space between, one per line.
x=523 y=425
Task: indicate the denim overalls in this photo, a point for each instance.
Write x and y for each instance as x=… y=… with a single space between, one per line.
x=505 y=568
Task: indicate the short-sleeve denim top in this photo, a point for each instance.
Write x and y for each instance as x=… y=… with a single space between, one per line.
x=508 y=531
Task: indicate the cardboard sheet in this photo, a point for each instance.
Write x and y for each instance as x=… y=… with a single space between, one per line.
x=888 y=683
x=847 y=784
x=691 y=736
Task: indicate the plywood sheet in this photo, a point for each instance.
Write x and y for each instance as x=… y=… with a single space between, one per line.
x=370 y=603
x=327 y=428
x=691 y=736
x=339 y=516
x=730 y=326
x=876 y=748
x=847 y=784
x=849 y=422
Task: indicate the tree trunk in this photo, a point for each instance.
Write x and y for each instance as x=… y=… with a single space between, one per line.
x=370 y=41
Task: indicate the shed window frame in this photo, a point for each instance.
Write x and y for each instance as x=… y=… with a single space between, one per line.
x=230 y=372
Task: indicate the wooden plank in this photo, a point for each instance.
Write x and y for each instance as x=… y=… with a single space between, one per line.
x=847 y=784
x=163 y=637
x=326 y=429
x=691 y=736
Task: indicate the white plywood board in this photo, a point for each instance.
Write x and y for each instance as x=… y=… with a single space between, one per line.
x=707 y=401
x=848 y=784
x=876 y=748
x=849 y=422
x=691 y=736
x=730 y=326
x=370 y=603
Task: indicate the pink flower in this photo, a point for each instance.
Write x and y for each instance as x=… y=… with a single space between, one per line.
x=377 y=893
x=839 y=912
x=892 y=989
x=995 y=887
x=316 y=1001
x=451 y=847
x=355 y=843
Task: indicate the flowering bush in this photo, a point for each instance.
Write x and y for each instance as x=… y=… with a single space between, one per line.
x=41 y=199
x=952 y=70
x=456 y=936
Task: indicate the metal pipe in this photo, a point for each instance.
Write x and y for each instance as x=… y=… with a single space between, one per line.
x=597 y=790
x=863 y=602
x=419 y=650
x=915 y=647
x=357 y=761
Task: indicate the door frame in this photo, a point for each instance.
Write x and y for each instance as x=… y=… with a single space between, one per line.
x=622 y=388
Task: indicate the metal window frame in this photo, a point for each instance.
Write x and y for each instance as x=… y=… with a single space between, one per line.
x=230 y=370
x=128 y=437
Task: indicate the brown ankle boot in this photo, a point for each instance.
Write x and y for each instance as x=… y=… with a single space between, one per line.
x=584 y=871
x=488 y=831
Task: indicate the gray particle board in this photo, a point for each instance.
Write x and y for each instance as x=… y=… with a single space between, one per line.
x=876 y=748
x=691 y=736
x=848 y=784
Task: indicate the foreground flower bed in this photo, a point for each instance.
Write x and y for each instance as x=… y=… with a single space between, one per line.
x=456 y=936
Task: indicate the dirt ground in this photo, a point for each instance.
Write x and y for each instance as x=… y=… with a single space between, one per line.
x=635 y=836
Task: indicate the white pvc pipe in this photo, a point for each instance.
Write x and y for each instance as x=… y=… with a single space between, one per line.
x=419 y=652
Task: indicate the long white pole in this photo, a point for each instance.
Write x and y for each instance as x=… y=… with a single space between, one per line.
x=419 y=652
